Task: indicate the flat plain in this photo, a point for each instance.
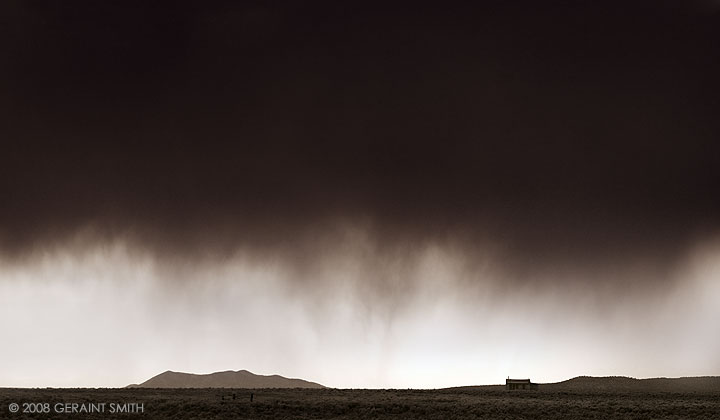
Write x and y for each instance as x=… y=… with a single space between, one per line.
x=488 y=402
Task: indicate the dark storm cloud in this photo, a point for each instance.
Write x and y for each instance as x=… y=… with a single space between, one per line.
x=361 y=194
x=569 y=135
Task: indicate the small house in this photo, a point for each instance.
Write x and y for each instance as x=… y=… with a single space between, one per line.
x=513 y=384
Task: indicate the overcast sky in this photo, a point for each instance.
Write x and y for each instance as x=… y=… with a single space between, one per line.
x=359 y=194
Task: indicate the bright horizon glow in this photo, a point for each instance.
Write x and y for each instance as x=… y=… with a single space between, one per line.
x=109 y=316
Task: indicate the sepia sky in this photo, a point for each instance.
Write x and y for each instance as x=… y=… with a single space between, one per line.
x=359 y=194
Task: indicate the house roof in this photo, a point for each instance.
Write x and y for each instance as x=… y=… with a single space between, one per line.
x=517 y=381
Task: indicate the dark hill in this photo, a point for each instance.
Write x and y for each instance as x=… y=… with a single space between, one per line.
x=623 y=383
x=227 y=379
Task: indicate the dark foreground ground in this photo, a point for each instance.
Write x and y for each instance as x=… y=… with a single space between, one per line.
x=458 y=403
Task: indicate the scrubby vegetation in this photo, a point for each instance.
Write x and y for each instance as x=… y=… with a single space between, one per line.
x=459 y=403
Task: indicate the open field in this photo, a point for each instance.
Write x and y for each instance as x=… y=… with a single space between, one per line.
x=459 y=403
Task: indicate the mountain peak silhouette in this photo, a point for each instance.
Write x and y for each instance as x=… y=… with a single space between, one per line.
x=224 y=379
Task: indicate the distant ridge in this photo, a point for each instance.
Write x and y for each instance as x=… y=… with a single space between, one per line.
x=624 y=384
x=226 y=379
